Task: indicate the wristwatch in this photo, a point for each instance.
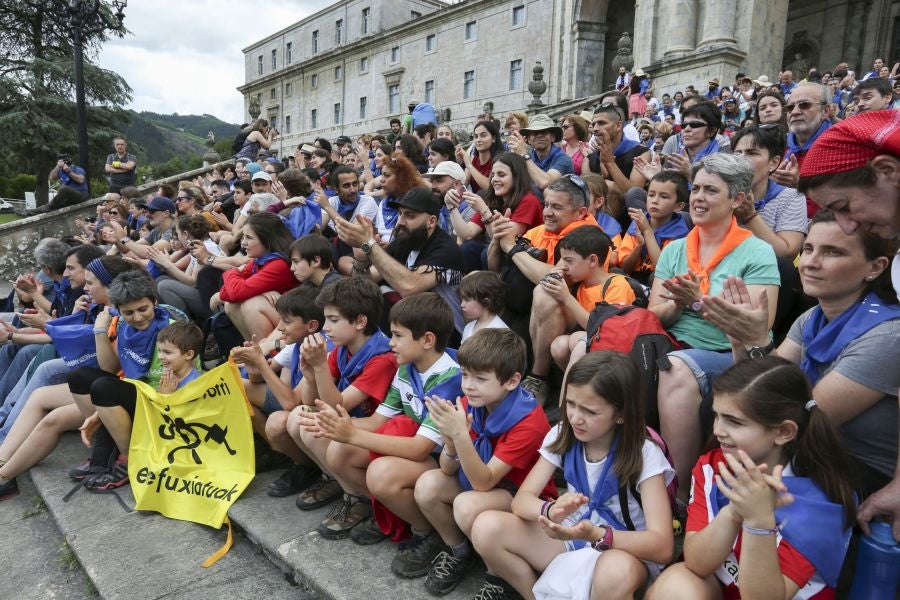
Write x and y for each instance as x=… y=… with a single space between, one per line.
x=695 y=306
x=366 y=247
x=760 y=351
x=606 y=542
x=527 y=156
x=124 y=241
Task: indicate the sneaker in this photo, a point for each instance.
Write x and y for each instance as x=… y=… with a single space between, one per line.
x=320 y=493
x=9 y=489
x=539 y=388
x=81 y=471
x=494 y=588
x=446 y=571
x=344 y=516
x=368 y=533
x=113 y=478
x=414 y=559
x=294 y=480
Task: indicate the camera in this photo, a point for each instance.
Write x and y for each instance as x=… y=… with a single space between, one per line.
x=65 y=158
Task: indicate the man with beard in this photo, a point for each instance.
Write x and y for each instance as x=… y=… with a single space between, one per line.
x=348 y=203
x=421 y=257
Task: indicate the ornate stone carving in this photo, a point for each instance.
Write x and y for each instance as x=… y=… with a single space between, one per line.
x=211 y=157
x=254 y=109
x=623 y=57
x=536 y=86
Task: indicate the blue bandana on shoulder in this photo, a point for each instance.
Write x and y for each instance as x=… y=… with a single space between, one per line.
x=824 y=340
x=194 y=374
x=449 y=389
x=795 y=147
x=551 y=156
x=262 y=261
x=303 y=218
x=606 y=488
x=771 y=193
x=345 y=209
x=444 y=217
x=136 y=347
x=73 y=340
x=517 y=405
x=390 y=215
x=351 y=366
x=296 y=374
x=674 y=229
x=624 y=146
x=61 y=292
x=711 y=148
x=608 y=224
x=812 y=524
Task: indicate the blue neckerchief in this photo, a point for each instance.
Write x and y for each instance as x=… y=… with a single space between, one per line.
x=61 y=291
x=607 y=485
x=711 y=148
x=823 y=341
x=351 y=366
x=194 y=374
x=624 y=146
x=136 y=347
x=448 y=389
x=517 y=405
x=389 y=214
x=674 y=229
x=794 y=146
x=551 y=156
x=303 y=218
x=262 y=261
x=346 y=209
x=771 y=193
x=73 y=340
x=153 y=269
x=710 y=94
x=444 y=216
x=812 y=524
x=609 y=225
x=296 y=373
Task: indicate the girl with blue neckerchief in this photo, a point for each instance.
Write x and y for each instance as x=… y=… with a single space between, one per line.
x=612 y=530
x=771 y=507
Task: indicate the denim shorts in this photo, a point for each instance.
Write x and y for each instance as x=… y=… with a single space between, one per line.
x=706 y=365
x=271 y=404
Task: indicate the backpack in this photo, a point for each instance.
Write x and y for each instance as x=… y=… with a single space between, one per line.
x=424 y=113
x=637 y=332
x=640 y=291
x=671 y=489
x=239 y=140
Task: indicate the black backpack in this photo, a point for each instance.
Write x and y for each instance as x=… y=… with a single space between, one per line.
x=239 y=140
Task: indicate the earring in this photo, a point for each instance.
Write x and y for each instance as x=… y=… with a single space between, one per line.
x=869 y=278
x=620 y=421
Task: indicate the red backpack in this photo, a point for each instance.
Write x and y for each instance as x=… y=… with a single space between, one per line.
x=637 y=332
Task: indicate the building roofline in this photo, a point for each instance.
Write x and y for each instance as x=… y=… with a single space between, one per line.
x=438 y=4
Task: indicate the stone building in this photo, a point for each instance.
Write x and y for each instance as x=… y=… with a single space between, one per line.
x=350 y=67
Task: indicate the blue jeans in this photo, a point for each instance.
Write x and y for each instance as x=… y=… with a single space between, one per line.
x=706 y=365
x=19 y=358
x=51 y=372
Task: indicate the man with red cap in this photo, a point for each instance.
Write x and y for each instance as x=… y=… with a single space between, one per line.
x=853 y=169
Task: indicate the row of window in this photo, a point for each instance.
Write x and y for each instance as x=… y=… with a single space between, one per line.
x=471 y=33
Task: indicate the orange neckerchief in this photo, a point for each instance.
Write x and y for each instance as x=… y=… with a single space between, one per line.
x=734 y=238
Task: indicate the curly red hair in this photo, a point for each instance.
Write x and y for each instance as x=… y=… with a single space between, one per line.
x=405 y=173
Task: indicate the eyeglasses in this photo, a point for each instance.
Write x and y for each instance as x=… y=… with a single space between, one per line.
x=581 y=185
x=188 y=198
x=566 y=126
x=272 y=172
x=693 y=125
x=803 y=104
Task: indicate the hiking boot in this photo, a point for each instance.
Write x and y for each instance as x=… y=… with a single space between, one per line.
x=79 y=472
x=9 y=489
x=446 y=572
x=539 y=388
x=110 y=479
x=319 y=493
x=294 y=480
x=368 y=533
x=414 y=559
x=494 y=588
x=344 y=515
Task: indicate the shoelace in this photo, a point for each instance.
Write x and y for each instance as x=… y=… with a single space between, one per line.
x=489 y=591
x=444 y=564
x=339 y=511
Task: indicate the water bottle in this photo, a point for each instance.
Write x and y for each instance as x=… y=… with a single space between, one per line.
x=877 y=565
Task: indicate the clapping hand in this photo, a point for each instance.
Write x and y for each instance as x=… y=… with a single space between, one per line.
x=451 y=418
x=752 y=493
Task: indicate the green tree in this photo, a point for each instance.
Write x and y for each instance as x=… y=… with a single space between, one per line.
x=37 y=89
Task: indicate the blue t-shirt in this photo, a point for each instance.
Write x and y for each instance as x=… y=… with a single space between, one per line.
x=753 y=261
x=66 y=179
x=557 y=159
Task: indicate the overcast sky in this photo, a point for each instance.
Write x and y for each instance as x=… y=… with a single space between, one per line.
x=185 y=56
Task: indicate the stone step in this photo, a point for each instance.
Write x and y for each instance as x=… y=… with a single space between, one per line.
x=142 y=555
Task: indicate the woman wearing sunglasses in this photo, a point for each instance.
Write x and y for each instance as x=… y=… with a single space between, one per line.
x=700 y=123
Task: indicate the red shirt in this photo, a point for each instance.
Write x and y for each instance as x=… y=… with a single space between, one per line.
x=374 y=380
x=528 y=212
x=793 y=564
x=484 y=169
x=519 y=447
x=239 y=285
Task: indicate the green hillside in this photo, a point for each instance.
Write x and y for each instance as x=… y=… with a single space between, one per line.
x=158 y=138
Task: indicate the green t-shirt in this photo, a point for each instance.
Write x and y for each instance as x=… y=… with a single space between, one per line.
x=753 y=261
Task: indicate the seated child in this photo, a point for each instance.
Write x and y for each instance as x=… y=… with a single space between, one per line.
x=581 y=541
x=651 y=231
x=311 y=260
x=557 y=310
x=606 y=212
x=482 y=295
x=775 y=496
x=382 y=456
x=275 y=394
x=355 y=375
x=482 y=468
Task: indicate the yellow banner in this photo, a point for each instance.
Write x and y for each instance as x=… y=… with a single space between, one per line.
x=191 y=452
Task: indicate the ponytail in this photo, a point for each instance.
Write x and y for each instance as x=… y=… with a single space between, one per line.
x=771 y=390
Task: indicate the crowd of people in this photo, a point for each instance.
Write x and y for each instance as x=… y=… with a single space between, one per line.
x=408 y=308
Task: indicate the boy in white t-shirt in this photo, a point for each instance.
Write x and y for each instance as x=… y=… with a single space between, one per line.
x=483 y=298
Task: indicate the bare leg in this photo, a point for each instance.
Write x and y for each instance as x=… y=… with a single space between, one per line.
x=259 y=317
x=348 y=464
x=233 y=310
x=469 y=505
x=392 y=480
x=617 y=575
x=547 y=322
x=41 y=402
x=679 y=583
x=42 y=440
x=434 y=493
x=678 y=399
x=280 y=440
x=313 y=449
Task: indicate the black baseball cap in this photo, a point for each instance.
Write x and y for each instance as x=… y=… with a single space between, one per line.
x=418 y=199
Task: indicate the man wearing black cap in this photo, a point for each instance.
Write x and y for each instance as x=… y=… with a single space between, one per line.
x=161 y=213
x=421 y=257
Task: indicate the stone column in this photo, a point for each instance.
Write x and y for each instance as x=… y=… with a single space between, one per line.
x=589 y=57
x=681 y=27
x=718 y=23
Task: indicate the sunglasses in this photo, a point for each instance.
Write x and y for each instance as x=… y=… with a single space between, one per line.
x=693 y=125
x=188 y=198
x=803 y=104
x=578 y=181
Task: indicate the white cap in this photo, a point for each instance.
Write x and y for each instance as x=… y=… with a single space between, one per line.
x=261 y=175
x=448 y=167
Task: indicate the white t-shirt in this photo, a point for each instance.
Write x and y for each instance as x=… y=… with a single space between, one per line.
x=211 y=247
x=366 y=207
x=283 y=357
x=495 y=323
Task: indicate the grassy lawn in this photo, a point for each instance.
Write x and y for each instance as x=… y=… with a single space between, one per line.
x=7 y=217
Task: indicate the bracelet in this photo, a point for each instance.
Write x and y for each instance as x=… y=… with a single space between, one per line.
x=545 y=508
x=9 y=336
x=210 y=259
x=760 y=530
x=450 y=456
x=99 y=331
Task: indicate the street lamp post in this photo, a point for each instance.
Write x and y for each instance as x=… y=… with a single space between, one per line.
x=82 y=12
